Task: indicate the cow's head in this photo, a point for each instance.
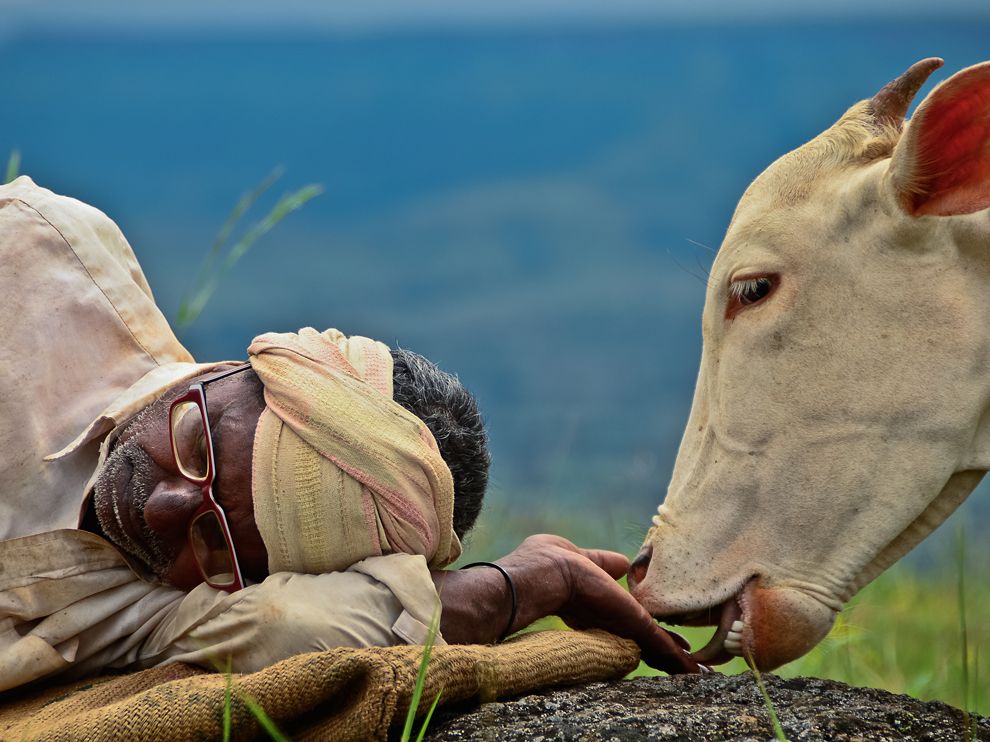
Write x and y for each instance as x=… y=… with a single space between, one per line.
x=843 y=404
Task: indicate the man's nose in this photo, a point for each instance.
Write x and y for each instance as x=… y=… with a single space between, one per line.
x=639 y=567
x=171 y=506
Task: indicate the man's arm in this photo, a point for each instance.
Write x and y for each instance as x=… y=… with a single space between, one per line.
x=380 y=601
x=553 y=577
x=391 y=600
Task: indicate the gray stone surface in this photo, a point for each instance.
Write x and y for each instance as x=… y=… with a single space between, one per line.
x=712 y=707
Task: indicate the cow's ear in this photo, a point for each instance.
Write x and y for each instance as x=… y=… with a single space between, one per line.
x=941 y=165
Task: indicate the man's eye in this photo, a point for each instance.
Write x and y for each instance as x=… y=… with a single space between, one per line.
x=745 y=292
x=190 y=439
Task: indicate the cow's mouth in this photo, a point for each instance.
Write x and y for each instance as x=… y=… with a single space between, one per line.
x=727 y=641
x=769 y=626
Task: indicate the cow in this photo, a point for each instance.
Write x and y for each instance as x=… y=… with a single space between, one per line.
x=842 y=408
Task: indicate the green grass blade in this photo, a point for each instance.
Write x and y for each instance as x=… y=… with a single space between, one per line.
x=976 y=678
x=187 y=312
x=963 y=629
x=429 y=715
x=230 y=691
x=263 y=719
x=244 y=203
x=285 y=206
x=778 y=730
x=192 y=306
x=421 y=680
x=227 y=700
x=13 y=165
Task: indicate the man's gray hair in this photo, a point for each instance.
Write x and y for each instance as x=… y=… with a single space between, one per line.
x=451 y=413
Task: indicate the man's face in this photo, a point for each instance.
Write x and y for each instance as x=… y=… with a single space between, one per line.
x=144 y=505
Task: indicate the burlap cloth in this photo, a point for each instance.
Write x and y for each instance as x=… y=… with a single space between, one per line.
x=340 y=694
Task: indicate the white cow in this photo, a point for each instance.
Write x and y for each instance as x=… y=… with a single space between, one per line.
x=842 y=409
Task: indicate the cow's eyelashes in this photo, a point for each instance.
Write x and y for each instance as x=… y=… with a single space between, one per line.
x=747 y=291
x=751 y=290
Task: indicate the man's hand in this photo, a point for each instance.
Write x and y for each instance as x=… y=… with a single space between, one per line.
x=553 y=577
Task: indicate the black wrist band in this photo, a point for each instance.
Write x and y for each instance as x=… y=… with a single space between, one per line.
x=512 y=591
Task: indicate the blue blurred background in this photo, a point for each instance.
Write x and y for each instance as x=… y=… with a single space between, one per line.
x=527 y=193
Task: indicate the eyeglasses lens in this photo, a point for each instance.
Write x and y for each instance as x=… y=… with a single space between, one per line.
x=211 y=550
x=189 y=444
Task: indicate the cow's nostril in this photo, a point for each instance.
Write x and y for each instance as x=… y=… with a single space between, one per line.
x=639 y=567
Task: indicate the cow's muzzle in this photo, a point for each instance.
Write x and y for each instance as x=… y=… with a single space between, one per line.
x=768 y=626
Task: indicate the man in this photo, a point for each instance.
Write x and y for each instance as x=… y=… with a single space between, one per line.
x=283 y=507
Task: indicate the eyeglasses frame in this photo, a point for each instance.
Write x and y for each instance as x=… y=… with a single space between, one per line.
x=197 y=395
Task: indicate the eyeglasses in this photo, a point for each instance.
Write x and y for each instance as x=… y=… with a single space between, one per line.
x=192 y=449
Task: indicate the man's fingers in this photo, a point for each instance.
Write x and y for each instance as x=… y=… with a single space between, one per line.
x=612 y=562
x=601 y=602
x=588 y=596
x=664 y=654
x=661 y=649
x=685 y=644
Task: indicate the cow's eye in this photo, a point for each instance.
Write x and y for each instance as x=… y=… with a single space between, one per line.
x=751 y=290
x=744 y=292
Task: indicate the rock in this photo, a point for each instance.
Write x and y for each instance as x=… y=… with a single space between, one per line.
x=708 y=707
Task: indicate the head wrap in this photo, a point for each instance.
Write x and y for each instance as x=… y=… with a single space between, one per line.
x=340 y=471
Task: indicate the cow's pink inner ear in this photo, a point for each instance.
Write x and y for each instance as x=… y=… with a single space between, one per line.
x=951 y=148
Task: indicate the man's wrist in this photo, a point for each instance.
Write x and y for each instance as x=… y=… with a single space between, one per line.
x=476 y=605
x=510 y=584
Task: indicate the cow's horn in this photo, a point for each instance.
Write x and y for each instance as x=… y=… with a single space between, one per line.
x=890 y=105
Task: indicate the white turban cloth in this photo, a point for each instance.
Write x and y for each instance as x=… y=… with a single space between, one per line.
x=340 y=471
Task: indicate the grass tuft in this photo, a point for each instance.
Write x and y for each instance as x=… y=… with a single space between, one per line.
x=967 y=702
x=420 y=682
x=254 y=708
x=228 y=693
x=263 y=719
x=214 y=269
x=961 y=601
x=778 y=730
x=426 y=720
x=13 y=165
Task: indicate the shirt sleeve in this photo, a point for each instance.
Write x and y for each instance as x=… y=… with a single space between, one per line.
x=380 y=601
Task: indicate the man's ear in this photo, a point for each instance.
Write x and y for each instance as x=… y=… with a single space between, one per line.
x=941 y=165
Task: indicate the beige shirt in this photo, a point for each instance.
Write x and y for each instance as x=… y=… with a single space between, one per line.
x=83 y=347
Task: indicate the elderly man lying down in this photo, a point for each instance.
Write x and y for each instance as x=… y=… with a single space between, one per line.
x=154 y=509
